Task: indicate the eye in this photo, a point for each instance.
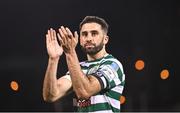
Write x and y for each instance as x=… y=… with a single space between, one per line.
x=94 y=33
x=84 y=34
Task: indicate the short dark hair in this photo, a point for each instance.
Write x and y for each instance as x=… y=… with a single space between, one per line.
x=95 y=19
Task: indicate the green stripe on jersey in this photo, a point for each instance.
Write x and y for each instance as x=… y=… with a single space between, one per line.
x=113 y=94
x=109 y=56
x=120 y=74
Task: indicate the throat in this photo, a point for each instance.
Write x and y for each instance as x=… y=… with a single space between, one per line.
x=99 y=55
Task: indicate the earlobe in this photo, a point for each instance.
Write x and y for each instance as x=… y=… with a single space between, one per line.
x=106 y=39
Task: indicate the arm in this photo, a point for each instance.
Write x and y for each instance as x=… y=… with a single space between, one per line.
x=84 y=86
x=54 y=88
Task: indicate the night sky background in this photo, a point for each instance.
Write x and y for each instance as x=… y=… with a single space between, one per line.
x=139 y=29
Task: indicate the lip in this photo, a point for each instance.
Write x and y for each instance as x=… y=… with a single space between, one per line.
x=89 y=46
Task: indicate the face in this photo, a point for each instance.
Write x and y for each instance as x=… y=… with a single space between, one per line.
x=92 y=38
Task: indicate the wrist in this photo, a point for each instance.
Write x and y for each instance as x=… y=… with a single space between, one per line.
x=71 y=52
x=54 y=59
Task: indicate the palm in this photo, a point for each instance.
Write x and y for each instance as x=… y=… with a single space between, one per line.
x=53 y=48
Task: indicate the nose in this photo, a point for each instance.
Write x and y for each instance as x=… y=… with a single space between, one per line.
x=89 y=37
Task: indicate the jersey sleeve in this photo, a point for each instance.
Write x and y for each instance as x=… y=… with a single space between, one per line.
x=110 y=74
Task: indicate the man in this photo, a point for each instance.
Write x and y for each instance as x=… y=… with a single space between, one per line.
x=98 y=82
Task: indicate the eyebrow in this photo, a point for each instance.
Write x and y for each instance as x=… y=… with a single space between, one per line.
x=90 y=31
x=93 y=31
x=84 y=32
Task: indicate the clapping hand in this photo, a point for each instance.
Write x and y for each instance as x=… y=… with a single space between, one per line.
x=67 y=39
x=53 y=48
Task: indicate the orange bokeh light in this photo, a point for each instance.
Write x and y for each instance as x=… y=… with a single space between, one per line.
x=139 y=65
x=164 y=74
x=122 y=99
x=14 y=85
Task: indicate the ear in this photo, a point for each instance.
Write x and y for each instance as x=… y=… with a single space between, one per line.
x=106 y=39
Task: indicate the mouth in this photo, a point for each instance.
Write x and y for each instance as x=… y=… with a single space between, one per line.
x=89 y=45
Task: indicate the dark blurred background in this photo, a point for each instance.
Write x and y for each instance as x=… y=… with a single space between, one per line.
x=139 y=29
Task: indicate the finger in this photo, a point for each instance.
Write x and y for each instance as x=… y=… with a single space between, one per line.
x=51 y=34
x=62 y=35
x=54 y=34
x=76 y=36
x=60 y=39
x=69 y=33
x=47 y=40
x=64 y=31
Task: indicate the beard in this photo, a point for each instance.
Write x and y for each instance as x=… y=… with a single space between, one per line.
x=93 y=49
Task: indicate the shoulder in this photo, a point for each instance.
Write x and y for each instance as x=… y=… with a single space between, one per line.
x=83 y=64
x=112 y=61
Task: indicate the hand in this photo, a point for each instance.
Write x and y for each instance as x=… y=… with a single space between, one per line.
x=67 y=39
x=53 y=48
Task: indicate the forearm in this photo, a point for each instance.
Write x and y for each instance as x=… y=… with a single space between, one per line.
x=50 y=80
x=79 y=80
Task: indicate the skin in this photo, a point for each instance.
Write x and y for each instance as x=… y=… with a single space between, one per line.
x=91 y=36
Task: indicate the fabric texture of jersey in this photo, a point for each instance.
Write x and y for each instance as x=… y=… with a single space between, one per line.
x=109 y=71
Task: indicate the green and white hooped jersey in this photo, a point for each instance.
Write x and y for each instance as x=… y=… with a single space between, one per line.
x=109 y=71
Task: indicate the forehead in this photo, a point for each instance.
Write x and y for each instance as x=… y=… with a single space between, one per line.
x=90 y=27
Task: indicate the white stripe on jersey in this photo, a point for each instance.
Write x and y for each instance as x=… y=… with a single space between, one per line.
x=118 y=89
x=111 y=74
x=108 y=72
x=103 y=98
x=119 y=63
x=104 y=82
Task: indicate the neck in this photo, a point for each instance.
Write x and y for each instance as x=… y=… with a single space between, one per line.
x=98 y=55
